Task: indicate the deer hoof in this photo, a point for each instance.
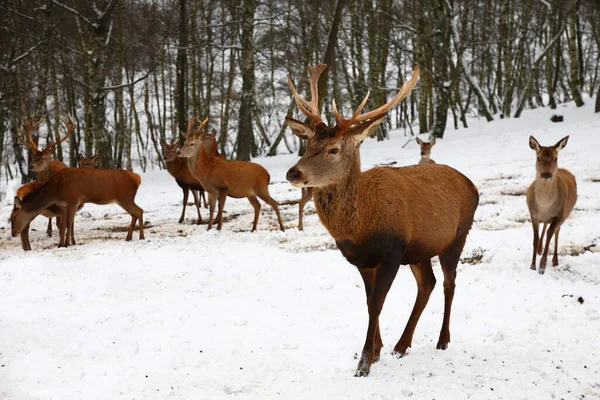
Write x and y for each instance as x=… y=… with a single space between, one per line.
x=181 y=220
x=364 y=367
x=542 y=270
x=533 y=266
x=442 y=344
x=555 y=262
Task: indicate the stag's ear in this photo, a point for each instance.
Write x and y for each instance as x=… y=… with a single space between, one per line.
x=80 y=157
x=96 y=157
x=419 y=141
x=300 y=129
x=17 y=203
x=361 y=131
x=561 y=143
x=534 y=143
x=432 y=142
x=183 y=134
x=163 y=142
x=214 y=132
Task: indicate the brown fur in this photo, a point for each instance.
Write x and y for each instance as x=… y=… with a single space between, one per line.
x=73 y=187
x=385 y=217
x=222 y=178
x=178 y=168
x=550 y=199
x=307 y=195
x=425 y=151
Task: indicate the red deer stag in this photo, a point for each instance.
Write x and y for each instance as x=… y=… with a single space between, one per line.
x=72 y=187
x=550 y=198
x=222 y=178
x=178 y=168
x=426 y=151
x=385 y=216
x=90 y=162
x=41 y=163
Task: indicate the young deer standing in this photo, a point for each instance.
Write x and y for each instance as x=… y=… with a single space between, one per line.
x=550 y=198
x=385 y=216
x=91 y=162
x=72 y=187
x=41 y=163
x=426 y=151
x=178 y=168
x=222 y=178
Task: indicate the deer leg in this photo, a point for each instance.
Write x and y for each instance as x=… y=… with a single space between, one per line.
x=204 y=198
x=25 y=238
x=197 y=204
x=222 y=198
x=256 y=206
x=449 y=260
x=73 y=234
x=541 y=241
x=212 y=200
x=306 y=196
x=555 y=258
x=425 y=278
x=384 y=276
x=368 y=276
x=62 y=231
x=186 y=193
x=67 y=221
x=536 y=241
x=49 y=229
x=553 y=226
x=266 y=197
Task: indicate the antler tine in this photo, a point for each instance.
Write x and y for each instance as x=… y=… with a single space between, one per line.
x=191 y=124
x=69 y=125
x=310 y=108
x=200 y=126
x=357 y=117
x=27 y=141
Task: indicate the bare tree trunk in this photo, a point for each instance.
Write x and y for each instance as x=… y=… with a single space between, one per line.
x=181 y=68
x=245 y=138
x=575 y=81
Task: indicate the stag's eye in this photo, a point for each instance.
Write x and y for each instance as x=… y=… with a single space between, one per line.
x=334 y=150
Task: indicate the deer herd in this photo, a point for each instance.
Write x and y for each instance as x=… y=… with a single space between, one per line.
x=375 y=216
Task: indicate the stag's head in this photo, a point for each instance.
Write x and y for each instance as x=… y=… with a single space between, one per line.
x=547 y=157
x=193 y=140
x=331 y=152
x=41 y=158
x=425 y=147
x=91 y=162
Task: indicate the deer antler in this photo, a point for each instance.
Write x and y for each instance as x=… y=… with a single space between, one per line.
x=191 y=124
x=310 y=108
x=27 y=141
x=357 y=117
x=69 y=125
x=200 y=126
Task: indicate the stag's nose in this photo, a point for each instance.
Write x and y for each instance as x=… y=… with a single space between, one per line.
x=422 y=153
x=293 y=174
x=546 y=175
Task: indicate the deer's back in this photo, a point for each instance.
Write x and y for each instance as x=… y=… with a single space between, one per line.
x=569 y=188
x=241 y=178
x=425 y=207
x=99 y=186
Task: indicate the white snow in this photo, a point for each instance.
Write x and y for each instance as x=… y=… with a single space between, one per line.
x=190 y=314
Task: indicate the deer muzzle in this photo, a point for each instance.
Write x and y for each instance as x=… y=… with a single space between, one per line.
x=546 y=175
x=294 y=176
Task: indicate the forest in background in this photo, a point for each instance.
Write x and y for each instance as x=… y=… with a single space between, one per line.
x=132 y=72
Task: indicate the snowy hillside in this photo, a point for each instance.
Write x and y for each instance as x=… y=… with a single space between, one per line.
x=190 y=314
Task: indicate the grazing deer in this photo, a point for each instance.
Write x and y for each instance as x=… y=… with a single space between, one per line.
x=222 y=178
x=385 y=216
x=91 y=162
x=178 y=168
x=426 y=151
x=550 y=198
x=41 y=163
x=72 y=187
x=52 y=211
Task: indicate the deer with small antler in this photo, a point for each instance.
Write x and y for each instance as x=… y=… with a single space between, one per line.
x=385 y=216
x=178 y=168
x=42 y=164
x=550 y=199
x=222 y=178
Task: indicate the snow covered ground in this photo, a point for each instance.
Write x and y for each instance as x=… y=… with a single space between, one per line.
x=190 y=314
